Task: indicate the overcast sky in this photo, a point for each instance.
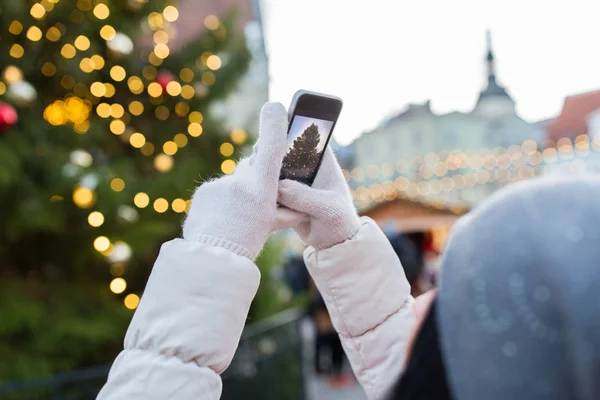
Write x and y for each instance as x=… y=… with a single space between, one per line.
x=380 y=55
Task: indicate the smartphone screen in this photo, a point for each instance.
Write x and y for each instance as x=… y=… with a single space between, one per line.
x=310 y=129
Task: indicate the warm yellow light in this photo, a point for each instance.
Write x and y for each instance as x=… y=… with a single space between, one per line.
x=95 y=219
x=2 y=88
x=117 y=184
x=187 y=92
x=110 y=92
x=180 y=140
x=238 y=136
x=53 y=34
x=48 y=69
x=118 y=73
x=98 y=89
x=196 y=116
x=178 y=205
x=228 y=166
x=82 y=127
x=131 y=301
x=182 y=109
x=226 y=149
x=101 y=11
x=34 y=34
x=195 y=129
x=117 y=127
x=170 y=148
x=208 y=78
x=135 y=85
x=15 y=27
x=118 y=285
x=117 y=110
x=161 y=205
x=83 y=197
x=141 y=200
x=136 y=108
x=97 y=61
x=101 y=243
x=107 y=32
x=68 y=51
x=161 y=37
x=161 y=50
x=12 y=74
x=154 y=89
x=211 y=22
x=170 y=13
x=137 y=140
x=163 y=162
x=82 y=43
x=213 y=62
x=147 y=149
x=56 y=113
x=16 y=51
x=173 y=88
x=86 y=65
x=186 y=75
x=103 y=110
x=155 y=20
x=37 y=11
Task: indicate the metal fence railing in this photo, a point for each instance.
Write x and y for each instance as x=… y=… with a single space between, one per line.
x=267 y=365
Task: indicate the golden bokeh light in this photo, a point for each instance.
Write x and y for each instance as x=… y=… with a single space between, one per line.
x=37 y=11
x=154 y=89
x=101 y=11
x=68 y=51
x=238 y=136
x=101 y=243
x=137 y=140
x=173 y=88
x=110 y=91
x=16 y=51
x=82 y=43
x=131 y=301
x=117 y=127
x=34 y=34
x=196 y=116
x=187 y=92
x=228 y=166
x=195 y=129
x=211 y=22
x=141 y=200
x=118 y=73
x=117 y=184
x=208 y=78
x=163 y=163
x=2 y=88
x=12 y=74
x=97 y=61
x=162 y=113
x=186 y=74
x=161 y=205
x=103 y=110
x=48 y=69
x=95 y=219
x=117 y=110
x=135 y=85
x=161 y=50
x=15 y=27
x=180 y=140
x=161 y=37
x=98 y=89
x=170 y=148
x=147 y=149
x=213 y=62
x=107 y=32
x=86 y=65
x=53 y=34
x=83 y=197
x=118 y=285
x=178 y=205
x=170 y=13
x=182 y=108
x=136 y=108
x=226 y=149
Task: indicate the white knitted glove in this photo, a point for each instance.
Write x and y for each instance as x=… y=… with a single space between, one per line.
x=332 y=217
x=238 y=211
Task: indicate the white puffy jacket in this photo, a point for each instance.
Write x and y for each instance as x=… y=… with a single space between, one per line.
x=189 y=321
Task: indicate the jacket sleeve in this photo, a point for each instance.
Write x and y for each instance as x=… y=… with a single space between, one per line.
x=187 y=326
x=368 y=298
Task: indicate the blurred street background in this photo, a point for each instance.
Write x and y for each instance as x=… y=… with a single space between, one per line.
x=113 y=111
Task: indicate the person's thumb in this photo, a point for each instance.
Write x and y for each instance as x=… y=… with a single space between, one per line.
x=300 y=197
x=270 y=148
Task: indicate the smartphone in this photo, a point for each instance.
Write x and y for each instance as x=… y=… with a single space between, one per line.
x=312 y=119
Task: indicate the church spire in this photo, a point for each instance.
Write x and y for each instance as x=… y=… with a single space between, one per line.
x=491 y=67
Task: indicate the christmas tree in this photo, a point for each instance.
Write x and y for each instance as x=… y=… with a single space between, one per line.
x=302 y=158
x=105 y=130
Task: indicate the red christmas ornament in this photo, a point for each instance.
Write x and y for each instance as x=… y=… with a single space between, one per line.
x=164 y=78
x=8 y=116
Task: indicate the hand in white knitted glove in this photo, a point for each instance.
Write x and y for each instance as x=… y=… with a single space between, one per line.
x=332 y=217
x=238 y=211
